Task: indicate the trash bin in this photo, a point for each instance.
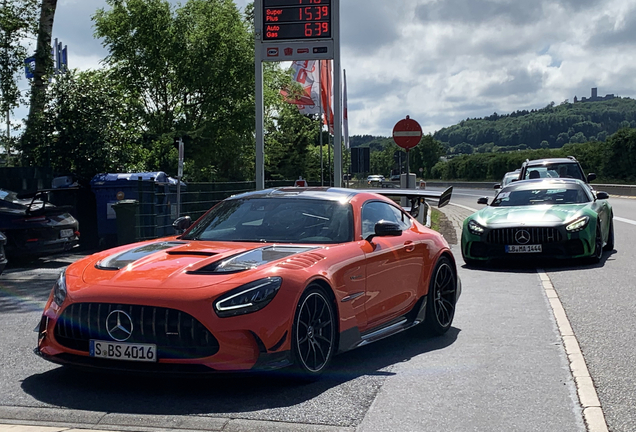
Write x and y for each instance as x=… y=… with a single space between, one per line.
x=127 y=221
x=155 y=193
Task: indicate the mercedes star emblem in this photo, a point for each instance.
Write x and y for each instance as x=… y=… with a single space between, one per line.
x=522 y=237
x=119 y=325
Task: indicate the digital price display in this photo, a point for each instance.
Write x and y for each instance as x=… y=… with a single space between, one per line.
x=296 y=19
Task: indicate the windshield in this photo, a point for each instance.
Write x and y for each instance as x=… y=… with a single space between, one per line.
x=524 y=197
x=276 y=220
x=564 y=170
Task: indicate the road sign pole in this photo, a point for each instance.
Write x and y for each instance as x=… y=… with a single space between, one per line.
x=408 y=169
x=407 y=133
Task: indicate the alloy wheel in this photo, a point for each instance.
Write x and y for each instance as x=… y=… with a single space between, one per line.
x=444 y=294
x=315 y=332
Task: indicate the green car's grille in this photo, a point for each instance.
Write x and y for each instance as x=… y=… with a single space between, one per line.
x=510 y=236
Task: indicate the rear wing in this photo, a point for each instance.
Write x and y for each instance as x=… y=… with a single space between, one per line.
x=416 y=195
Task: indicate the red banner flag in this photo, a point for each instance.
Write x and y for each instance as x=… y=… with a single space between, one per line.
x=326 y=86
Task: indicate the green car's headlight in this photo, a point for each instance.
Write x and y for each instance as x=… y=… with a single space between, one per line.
x=578 y=224
x=475 y=228
x=59 y=289
x=248 y=298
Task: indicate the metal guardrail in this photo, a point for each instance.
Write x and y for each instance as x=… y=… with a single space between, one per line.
x=612 y=189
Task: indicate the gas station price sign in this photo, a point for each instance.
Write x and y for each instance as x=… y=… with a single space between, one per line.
x=296 y=19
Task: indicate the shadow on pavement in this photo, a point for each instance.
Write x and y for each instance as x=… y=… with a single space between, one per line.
x=531 y=264
x=231 y=393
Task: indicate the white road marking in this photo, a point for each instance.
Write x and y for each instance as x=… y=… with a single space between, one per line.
x=588 y=398
x=629 y=221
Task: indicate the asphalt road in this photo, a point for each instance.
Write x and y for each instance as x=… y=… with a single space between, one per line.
x=501 y=367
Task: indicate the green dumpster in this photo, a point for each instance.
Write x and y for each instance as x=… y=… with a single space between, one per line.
x=127 y=215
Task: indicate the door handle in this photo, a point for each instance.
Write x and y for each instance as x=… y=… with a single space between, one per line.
x=409 y=246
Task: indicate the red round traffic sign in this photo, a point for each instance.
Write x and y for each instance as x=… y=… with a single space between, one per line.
x=407 y=133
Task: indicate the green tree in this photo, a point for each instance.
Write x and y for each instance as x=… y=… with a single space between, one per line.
x=192 y=67
x=43 y=69
x=620 y=163
x=90 y=126
x=425 y=155
x=18 y=21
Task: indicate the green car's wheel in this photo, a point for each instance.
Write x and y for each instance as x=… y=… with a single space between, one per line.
x=314 y=333
x=598 y=245
x=609 y=246
x=442 y=295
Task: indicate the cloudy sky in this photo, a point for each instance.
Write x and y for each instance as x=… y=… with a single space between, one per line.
x=441 y=61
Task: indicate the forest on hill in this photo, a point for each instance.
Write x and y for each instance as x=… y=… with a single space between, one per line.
x=549 y=127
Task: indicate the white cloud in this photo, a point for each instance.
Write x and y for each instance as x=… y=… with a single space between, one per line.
x=441 y=61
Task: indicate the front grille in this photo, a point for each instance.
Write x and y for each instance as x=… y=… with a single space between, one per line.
x=177 y=334
x=506 y=236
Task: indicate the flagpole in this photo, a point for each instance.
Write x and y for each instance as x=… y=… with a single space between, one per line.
x=322 y=170
x=329 y=86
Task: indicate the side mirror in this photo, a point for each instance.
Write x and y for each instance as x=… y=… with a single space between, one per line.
x=181 y=224
x=497 y=186
x=602 y=195
x=482 y=200
x=385 y=229
x=591 y=177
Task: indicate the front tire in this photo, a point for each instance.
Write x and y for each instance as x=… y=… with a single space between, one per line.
x=313 y=333
x=598 y=246
x=441 y=298
x=609 y=246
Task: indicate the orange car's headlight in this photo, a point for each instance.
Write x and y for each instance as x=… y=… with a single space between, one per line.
x=248 y=298
x=59 y=289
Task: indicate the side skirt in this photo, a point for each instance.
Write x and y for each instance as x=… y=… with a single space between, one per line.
x=352 y=338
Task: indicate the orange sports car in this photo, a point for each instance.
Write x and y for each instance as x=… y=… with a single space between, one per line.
x=264 y=280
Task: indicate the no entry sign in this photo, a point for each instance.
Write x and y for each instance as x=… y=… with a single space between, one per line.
x=407 y=133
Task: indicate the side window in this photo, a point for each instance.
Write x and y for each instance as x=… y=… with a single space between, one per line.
x=401 y=218
x=375 y=211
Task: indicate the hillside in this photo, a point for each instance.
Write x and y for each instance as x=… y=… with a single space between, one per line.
x=549 y=127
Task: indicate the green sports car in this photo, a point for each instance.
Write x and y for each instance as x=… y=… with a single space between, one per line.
x=554 y=218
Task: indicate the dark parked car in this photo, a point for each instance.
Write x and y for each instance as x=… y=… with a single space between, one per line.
x=34 y=227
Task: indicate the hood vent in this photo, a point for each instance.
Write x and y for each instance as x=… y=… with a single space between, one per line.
x=255 y=258
x=121 y=260
x=301 y=262
x=191 y=253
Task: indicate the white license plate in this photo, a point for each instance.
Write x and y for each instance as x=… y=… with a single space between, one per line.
x=66 y=233
x=123 y=351
x=523 y=248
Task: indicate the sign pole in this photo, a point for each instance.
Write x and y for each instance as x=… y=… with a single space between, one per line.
x=408 y=169
x=337 y=96
x=260 y=98
x=179 y=175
